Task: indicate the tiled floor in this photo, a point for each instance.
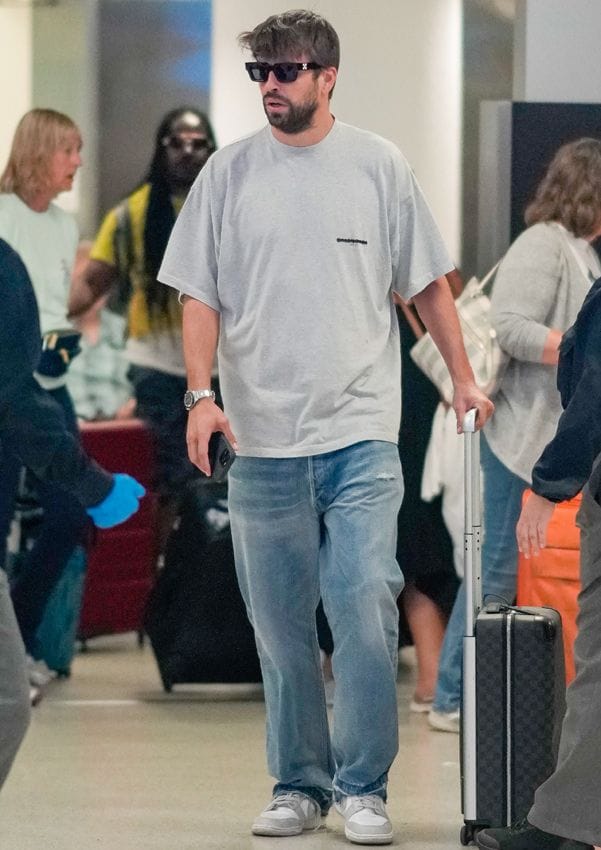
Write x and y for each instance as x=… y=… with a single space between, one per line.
x=111 y=762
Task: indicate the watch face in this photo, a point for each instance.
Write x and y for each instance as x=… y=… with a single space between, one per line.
x=188 y=399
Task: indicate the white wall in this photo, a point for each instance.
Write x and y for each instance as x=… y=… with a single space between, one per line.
x=15 y=72
x=557 y=51
x=400 y=75
x=65 y=70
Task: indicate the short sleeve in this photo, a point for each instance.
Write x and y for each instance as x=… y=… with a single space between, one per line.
x=103 y=248
x=418 y=250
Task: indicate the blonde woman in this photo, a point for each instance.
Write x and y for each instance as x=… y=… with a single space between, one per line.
x=539 y=289
x=43 y=162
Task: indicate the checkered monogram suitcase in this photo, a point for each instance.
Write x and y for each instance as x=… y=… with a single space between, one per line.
x=513 y=686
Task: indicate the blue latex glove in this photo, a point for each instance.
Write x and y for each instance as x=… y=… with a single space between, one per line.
x=121 y=502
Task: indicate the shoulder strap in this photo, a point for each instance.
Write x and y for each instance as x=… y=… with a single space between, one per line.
x=487 y=279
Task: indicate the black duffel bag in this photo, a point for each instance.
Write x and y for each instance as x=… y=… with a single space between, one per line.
x=195 y=618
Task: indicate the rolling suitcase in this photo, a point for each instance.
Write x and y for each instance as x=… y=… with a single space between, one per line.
x=513 y=687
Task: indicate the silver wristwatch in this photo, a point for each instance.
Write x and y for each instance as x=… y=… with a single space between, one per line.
x=191 y=397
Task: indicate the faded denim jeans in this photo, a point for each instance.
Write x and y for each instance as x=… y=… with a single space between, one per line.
x=323 y=525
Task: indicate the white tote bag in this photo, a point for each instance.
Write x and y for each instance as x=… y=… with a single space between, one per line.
x=486 y=357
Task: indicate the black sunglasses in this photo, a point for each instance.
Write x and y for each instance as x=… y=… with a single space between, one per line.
x=178 y=144
x=284 y=72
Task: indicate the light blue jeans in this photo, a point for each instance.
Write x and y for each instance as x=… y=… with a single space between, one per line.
x=323 y=525
x=501 y=510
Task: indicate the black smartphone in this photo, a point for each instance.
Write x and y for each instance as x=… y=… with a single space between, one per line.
x=221 y=456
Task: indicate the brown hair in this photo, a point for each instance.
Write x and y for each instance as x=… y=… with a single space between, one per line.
x=39 y=134
x=292 y=34
x=570 y=191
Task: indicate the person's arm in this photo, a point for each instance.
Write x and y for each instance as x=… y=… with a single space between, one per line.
x=455 y=281
x=32 y=423
x=436 y=308
x=200 y=326
x=524 y=294
x=567 y=461
x=32 y=426
x=551 y=348
x=86 y=289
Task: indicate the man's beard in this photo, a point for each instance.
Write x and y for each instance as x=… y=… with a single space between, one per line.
x=295 y=120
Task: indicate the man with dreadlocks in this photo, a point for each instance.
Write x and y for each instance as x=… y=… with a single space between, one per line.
x=124 y=262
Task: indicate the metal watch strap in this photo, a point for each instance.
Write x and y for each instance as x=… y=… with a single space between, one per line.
x=191 y=397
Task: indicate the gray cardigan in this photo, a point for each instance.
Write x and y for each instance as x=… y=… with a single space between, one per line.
x=539 y=286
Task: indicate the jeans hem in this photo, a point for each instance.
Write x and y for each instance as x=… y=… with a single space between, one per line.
x=322 y=796
x=344 y=789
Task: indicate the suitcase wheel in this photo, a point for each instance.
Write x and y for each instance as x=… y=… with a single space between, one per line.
x=468 y=834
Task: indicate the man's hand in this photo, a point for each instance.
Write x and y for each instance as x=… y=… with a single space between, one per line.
x=531 y=530
x=466 y=396
x=205 y=418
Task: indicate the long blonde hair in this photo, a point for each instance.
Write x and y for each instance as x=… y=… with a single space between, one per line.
x=39 y=134
x=570 y=191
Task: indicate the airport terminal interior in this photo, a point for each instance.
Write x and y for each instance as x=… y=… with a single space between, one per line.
x=112 y=761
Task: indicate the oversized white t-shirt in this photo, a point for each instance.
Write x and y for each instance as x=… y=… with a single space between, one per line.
x=299 y=249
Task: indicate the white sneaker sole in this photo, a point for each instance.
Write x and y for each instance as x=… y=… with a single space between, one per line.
x=362 y=838
x=443 y=724
x=274 y=830
x=283 y=831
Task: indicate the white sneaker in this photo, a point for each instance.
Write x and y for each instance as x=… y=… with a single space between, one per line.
x=289 y=813
x=35 y=695
x=365 y=819
x=38 y=672
x=420 y=706
x=445 y=721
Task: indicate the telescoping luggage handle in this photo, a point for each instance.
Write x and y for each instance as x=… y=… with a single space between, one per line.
x=472 y=520
x=473 y=589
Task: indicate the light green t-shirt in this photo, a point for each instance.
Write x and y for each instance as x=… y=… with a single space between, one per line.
x=299 y=249
x=46 y=242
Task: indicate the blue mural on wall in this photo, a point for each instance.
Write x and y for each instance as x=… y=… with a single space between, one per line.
x=154 y=56
x=192 y=21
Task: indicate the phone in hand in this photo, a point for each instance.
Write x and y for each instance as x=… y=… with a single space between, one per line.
x=221 y=456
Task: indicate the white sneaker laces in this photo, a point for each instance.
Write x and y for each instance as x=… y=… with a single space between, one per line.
x=371 y=801
x=290 y=800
